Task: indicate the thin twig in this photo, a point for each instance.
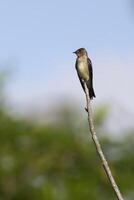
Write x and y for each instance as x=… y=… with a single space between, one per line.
x=99 y=149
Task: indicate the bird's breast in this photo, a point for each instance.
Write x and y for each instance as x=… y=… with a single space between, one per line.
x=83 y=70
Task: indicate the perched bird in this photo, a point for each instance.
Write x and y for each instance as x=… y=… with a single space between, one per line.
x=84 y=70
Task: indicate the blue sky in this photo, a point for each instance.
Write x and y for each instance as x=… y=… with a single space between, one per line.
x=37 y=39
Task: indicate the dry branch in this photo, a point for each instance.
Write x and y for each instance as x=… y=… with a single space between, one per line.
x=99 y=149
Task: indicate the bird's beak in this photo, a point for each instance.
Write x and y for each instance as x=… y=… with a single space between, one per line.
x=74 y=52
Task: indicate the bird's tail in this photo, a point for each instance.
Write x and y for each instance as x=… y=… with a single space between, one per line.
x=91 y=93
x=90 y=89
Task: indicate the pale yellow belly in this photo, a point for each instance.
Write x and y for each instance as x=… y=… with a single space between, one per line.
x=83 y=71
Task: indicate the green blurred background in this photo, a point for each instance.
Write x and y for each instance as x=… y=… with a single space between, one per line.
x=57 y=160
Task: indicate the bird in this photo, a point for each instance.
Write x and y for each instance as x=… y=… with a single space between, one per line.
x=84 y=70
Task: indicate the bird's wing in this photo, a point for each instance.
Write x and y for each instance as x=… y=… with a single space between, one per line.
x=81 y=81
x=90 y=69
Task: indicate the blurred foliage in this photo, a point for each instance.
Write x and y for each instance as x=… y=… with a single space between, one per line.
x=58 y=161
x=55 y=163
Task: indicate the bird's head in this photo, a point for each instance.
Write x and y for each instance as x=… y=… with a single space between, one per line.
x=80 y=52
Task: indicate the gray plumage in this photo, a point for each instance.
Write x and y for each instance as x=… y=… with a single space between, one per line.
x=84 y=70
